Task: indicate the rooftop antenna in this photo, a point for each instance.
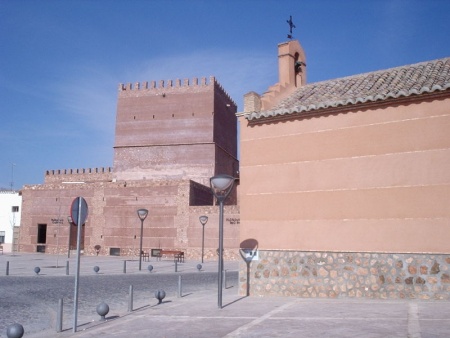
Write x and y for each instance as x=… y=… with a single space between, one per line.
x=291 y=25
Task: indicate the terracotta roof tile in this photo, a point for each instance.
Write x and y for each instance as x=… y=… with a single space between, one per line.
x=415 y=79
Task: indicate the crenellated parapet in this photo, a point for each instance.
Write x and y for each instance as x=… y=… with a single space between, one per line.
x=79 y=171
x=74 y=175
x=224 y=93
x=172 y=86
x=167 y=85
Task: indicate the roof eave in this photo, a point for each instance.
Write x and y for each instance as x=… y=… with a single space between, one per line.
x=342 y=107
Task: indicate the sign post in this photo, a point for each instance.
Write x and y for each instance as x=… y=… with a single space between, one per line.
x=78 y=212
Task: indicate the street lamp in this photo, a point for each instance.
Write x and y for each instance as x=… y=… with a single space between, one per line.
x=142 y=214
x=203 y=220
x=221 y=186
x=70 y=220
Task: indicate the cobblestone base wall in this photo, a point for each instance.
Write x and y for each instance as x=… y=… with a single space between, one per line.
x=351 y=275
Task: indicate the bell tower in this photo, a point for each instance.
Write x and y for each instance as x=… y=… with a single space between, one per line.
x=291 y=75
x=291 y=64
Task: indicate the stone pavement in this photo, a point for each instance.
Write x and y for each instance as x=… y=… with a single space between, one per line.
x=23 y=264
x=196 y=314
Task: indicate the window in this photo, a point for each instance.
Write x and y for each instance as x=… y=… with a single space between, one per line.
x=15 y=208
x=2 y=237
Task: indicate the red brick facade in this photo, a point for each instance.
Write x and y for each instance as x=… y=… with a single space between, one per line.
x=169 y=141
x=174 y=131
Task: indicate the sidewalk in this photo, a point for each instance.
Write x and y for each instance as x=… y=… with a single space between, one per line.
x=196 y=314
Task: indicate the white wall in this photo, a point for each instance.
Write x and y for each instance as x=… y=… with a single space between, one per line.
x=9 y=219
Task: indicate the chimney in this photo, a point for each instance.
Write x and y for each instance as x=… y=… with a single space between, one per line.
x=252 y=102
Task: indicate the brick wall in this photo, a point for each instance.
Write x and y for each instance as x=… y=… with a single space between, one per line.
x=113 y=223
x=171 y=131
x=78 y=175
x=170 y=139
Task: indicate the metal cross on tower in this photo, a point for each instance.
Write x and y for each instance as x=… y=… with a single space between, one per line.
x=291 y=25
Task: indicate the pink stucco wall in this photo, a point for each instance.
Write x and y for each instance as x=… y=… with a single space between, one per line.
x=375 y=179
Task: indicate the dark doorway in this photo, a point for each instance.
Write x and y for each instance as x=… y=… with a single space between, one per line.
x=73 y=237
x=42 y=234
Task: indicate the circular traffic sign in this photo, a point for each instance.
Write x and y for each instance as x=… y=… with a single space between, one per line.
x=79 y=211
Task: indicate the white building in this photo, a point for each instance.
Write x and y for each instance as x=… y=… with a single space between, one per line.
x=10 y=211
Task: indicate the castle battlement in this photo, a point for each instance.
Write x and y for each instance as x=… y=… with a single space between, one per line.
x=167 y=84
x=172 y=86
x=100 y=170
x=79 y=175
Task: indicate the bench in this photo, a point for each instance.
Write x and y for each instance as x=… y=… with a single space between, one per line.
x=145 y=256
x=178 y=256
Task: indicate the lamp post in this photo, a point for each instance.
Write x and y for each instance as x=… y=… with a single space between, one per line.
x=70 y=220
x=142 y=214
x=203 y=221
x=221 y=186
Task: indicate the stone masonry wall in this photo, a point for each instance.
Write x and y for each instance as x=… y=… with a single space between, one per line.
x=348 y=275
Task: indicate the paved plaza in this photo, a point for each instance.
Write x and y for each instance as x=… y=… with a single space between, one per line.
x=196 y=313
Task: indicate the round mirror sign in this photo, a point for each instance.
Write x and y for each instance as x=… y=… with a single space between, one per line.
x=79 y=211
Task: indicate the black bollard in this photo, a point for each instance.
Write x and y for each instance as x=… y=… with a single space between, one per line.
x=176 y=266
x=150 y=268
x=67 y=268
x=124 y=266
x=160 y=295
x=102 y=310
x=37 y=270
x=199 y=267
x=7 y=268
x=15 y=331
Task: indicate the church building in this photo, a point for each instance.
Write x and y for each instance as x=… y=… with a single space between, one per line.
x=345 y=183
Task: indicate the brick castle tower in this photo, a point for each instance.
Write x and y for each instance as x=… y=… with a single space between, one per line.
x=176 y=130
x=170 y=139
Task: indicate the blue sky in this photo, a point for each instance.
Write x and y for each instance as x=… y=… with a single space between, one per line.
x=61 y=61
